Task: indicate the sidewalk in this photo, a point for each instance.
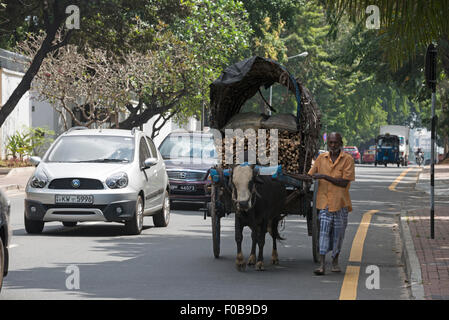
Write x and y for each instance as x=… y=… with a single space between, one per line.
x=441 y=180
x=16 y=179
x=427 y=259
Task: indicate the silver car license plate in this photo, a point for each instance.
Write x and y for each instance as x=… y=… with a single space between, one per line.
x=74 y=199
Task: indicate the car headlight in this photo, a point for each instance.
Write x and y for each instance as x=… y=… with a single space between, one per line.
x=117 y=181
x=39 y=180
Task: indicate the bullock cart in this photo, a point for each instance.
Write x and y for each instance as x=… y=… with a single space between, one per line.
x=237 y=84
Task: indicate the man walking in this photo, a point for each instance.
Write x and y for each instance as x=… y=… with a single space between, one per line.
x=334 y=170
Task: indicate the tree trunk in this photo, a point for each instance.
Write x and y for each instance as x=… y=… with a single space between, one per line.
x=45 y=48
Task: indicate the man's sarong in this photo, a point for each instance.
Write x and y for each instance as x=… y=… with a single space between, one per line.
x=332 y=230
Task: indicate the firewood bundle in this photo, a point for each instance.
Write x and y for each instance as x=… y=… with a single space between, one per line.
x=289 y=149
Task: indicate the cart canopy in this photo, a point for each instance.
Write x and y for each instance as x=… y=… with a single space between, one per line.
x=241 y=81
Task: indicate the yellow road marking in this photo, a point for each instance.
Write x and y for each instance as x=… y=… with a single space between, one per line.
x=359 y=239
x=350 y=282
x=349 y=287
x=401 y=176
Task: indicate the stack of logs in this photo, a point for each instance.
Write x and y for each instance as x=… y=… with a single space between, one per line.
x=290 y=151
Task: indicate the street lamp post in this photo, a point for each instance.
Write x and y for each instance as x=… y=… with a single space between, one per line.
x=302 y=55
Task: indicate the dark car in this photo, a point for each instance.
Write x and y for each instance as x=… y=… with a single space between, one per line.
x=354 y=152
x=5 y=236
x=188 y=158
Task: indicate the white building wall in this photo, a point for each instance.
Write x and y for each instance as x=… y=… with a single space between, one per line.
x=20 y=118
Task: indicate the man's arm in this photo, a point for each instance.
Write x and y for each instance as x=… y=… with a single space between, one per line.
x=337 y=181
x=348 y=175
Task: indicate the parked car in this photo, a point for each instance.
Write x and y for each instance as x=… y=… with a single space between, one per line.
x=369 y=156
x=188 y=157
x=106 y=175
x=5 y=236
x=354 y=152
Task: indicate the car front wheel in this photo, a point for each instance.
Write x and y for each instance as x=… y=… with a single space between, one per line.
x=135 y=225
x=33 y=226
x=163 y=218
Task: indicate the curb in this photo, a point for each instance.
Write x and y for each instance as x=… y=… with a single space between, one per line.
x=10 y=187
x=410 y=259
x=16 y=171
x=5 y=171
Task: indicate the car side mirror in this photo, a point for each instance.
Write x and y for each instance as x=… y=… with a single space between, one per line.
x=148 y=163
x=35 y=161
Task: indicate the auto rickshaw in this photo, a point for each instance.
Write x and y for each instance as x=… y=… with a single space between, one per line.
x=387 y=150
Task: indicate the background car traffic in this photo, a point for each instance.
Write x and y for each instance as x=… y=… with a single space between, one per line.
x=188 y=157
x=354 y=152
x=369 y=156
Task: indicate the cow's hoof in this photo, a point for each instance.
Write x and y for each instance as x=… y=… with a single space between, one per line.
x=259 y=266
x=274 y=258
x=240 y=262
x=252 y=260
x=241 y=266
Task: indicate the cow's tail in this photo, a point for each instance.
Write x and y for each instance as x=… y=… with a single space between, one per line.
x=273 y=227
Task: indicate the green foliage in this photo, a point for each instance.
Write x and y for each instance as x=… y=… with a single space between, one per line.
x=217 y=33
x=41 y=139
x=275 y=10
x=407 y=26
x=27 y=142
x=19 y=145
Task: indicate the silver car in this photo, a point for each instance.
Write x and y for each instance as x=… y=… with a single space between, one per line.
x=98 y=175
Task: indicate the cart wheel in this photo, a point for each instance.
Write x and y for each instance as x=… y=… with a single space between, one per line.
x=215 y=224
x=315 y=226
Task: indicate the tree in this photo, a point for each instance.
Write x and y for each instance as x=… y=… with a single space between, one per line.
x=53 y=16
x=168 y=77
x=104 y=23
x=100 y=85
x=407 y=28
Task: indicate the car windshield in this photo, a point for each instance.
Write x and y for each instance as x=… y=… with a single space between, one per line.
x=349 y=149
x=92 y=149
x=188 y=146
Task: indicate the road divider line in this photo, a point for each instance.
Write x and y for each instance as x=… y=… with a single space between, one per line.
x=359 y=239
x=350 y=282
x=349 y=287
x=398 y=179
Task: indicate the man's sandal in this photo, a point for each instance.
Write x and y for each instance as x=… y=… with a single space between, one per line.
x=319 y=271
x=336 y=268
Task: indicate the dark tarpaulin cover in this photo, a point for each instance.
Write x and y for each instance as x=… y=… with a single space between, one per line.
x=241 y=81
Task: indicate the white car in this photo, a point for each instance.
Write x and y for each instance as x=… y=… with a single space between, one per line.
x=107 y=175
